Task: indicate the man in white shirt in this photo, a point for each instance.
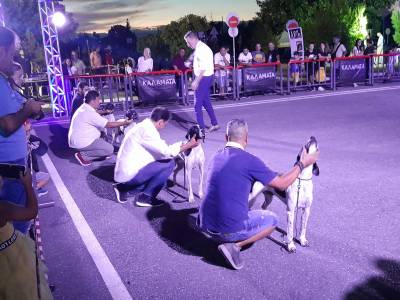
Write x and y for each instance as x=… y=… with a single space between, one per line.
x=339 y=50
x=245 y=59
x=86 y=128
x=203 y=69
x=222 y=60
x=145 y=161
x=145 y=62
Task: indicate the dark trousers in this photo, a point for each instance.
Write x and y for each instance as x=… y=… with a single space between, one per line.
x=151 y=179
x=203 y=100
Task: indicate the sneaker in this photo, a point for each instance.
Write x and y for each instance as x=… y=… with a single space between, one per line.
x=321 y=89
x=144 y=200
x=231 y=252
x=80 y=159
x=355 y=85
x=122 y=197
x=213 y=128
x=41 y=192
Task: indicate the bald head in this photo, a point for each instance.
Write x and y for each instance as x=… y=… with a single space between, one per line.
x=236 y=131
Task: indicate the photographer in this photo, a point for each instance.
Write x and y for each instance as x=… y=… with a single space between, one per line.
x=13 y=113
x=86 y=128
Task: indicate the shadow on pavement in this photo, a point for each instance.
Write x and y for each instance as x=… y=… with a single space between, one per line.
x=177 y=229
x=59 y=143
x=100 y=181
x=385 y=286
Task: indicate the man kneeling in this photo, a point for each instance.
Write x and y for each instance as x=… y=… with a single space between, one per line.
x=145 y=161
x=224 y=214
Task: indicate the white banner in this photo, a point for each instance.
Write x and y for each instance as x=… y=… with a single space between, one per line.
x=296 y=40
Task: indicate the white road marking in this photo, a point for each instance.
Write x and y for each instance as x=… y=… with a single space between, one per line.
x=107 y=271
x=258 y=102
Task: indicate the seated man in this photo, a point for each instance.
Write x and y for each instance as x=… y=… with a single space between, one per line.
x=85 y=131
x=222 y=60
x=224 y=213
x=145 y=161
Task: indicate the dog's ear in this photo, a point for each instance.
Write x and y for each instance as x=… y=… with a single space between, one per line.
x=315 y=169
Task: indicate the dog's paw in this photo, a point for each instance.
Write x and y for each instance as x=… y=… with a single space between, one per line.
x=291 y=247
x=191 y=199
x=304 y=242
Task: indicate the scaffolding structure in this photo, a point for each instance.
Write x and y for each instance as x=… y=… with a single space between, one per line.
x=2 y=21
x=51 y=46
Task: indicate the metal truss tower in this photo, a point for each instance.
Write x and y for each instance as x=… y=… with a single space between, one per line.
x=2 y=21
x=53 y=59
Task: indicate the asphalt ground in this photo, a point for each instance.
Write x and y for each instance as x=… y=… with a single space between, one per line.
x=157 y=254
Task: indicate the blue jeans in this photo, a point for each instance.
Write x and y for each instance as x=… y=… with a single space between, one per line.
x=203 y=99
x=258 y=221
x=13 y=191
x=151 y=179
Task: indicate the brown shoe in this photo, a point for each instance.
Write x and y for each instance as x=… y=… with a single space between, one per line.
x=82 y=161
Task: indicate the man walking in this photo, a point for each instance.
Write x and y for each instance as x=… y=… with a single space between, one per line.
x=203 y=68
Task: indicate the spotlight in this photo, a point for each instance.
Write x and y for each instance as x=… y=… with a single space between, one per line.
x=59 y=19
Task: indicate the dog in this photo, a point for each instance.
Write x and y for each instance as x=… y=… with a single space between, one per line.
x=117 y=134
x=191 y=159
x=298 y=195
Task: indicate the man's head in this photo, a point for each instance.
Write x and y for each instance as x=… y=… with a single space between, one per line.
x=182 y=52
x=160 y=117
x=18 y=74
x=93 y=99
x=311 y=47
x=336 y=40
x=191 y=39
x=245 y=51
x=370 y=42
x=237 y=131
x=74 y=55
x=82 y=87
x=147 y=52
x=271 y=46
x=258 y=47
x=222 y=51
x=8 y=44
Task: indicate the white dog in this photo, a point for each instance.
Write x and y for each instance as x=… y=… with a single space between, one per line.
x=116 y=135
x=191 y=159
x=298 y=195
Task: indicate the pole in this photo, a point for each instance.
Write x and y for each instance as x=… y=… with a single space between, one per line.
x=2 y=21
x=234 y=68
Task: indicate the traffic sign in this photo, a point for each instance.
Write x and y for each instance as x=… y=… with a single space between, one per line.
x=232 y=20
x=233 y=32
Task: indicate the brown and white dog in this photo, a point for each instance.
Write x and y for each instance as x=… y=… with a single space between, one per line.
x=192 y=159
x=298 y=195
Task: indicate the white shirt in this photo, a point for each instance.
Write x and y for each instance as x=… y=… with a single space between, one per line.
x=234 y=145
x=203 y=60
x=145 y=64
x=86 y=127
x=340 y=51
x=219 y=60
x=245 y=58
x=141 y=146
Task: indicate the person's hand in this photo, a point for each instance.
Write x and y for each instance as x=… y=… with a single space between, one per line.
x=193 y=143
x=195 y=85
x=26 y=178
x=308 y=159
x=33 y=107
x=127 y=122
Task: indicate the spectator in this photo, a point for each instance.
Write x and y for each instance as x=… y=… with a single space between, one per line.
x=224 y=213
x=18 y=74
x=272 y=54
x=95 y=61
x=77 y=63
x=145 y=62
x=108 y=59
x=130 y=65
x=358 y=48
x=222 y=60
x=339 y=50
x=178 y=63
x=323 y=54
x=145 y=161
x=258 y=55
x=203 y=70
x=66 y=67
x=369 y=50
x=86 y=128
x=295 y=68
x=13 y=113
x=311 y=54
x=78 y=99
x=245 y=57
x=21 y=268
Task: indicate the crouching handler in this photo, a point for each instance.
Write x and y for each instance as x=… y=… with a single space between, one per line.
x=145 y=161
x=224 y=213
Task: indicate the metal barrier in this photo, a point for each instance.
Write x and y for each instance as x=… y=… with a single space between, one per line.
x=259 y=78
x=352 y=70
x=309 y=74
x=386 y=67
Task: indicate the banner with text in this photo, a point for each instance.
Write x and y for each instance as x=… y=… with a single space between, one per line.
x=259 y=79
x=352 y=70
x=296 y=40
x=156 y=88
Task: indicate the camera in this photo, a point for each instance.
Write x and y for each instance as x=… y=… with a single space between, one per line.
x=107 y=107
x=39 y=115
x=132 y=114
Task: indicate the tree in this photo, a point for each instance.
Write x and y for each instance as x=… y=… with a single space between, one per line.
x=396 y=25
x=122 y=40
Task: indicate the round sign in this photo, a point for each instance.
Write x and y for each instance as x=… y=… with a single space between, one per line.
x=291 y=24
x=233 y=32
x=232 y=20
x=387 y=31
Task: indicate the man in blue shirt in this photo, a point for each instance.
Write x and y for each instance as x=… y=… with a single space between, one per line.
x=13 y=114
x=224 y=213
